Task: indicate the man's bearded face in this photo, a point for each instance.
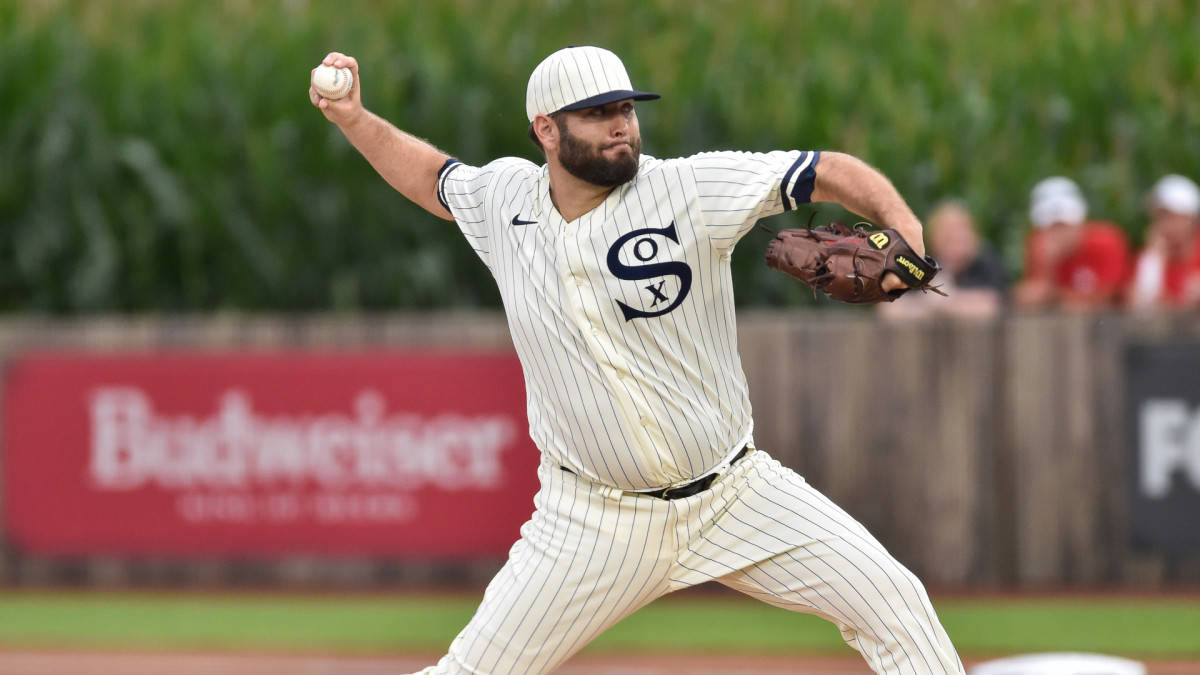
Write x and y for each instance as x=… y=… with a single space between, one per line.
x=587 y=162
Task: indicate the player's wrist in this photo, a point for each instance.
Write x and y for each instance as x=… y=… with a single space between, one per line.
x=910 y=228
x=353 y=120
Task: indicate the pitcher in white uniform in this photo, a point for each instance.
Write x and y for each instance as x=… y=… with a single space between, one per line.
x=614 y=271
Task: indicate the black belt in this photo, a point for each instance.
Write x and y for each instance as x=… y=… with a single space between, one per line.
x=688 y=489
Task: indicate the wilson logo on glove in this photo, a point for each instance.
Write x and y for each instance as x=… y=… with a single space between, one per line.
x=912 y=267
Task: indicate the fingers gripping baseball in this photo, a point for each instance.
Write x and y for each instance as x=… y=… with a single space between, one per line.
x=340 y=110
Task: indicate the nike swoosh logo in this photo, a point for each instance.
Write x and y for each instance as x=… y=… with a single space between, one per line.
x=517 y=221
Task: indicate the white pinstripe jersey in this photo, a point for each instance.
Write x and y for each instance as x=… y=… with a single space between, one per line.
x=623 y=319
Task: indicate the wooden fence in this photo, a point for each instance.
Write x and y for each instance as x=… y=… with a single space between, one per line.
x=983 y=454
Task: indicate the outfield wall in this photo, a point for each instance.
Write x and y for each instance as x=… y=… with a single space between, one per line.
x=982 y=454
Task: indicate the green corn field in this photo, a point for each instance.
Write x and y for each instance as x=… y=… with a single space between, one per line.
x=162 y=156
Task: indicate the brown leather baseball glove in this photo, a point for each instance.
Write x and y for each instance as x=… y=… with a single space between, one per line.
x=848 y=264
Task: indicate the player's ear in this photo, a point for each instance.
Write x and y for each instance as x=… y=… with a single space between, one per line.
x=546 y=131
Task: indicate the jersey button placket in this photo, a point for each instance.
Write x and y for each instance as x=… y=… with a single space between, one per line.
x=572 y=278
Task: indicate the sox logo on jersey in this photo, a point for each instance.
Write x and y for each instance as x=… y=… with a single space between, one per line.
x=645 y=248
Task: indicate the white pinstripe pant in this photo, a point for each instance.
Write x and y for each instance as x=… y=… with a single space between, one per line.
x=592 y=555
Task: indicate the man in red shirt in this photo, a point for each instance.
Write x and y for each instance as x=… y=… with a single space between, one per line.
x=1070 y=263
x=1168 y=268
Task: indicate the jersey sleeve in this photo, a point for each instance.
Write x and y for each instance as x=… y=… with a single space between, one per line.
x=463 y=190
x=736 y=189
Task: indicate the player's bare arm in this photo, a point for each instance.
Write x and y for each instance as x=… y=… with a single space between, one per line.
x=854 y=184
x=407 y=163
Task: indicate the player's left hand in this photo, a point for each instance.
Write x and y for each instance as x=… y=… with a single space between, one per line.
x=891 y=282
x=852 y=265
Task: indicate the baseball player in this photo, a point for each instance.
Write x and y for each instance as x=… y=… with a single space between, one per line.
x=613 y=267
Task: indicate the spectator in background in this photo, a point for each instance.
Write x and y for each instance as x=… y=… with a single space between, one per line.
x=972 y=275
x=1167 y=274
x=1070 y=263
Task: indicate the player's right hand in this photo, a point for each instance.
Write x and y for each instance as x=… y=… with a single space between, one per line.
x=347 y=109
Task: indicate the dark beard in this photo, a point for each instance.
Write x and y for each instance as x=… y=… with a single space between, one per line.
x=585 y=164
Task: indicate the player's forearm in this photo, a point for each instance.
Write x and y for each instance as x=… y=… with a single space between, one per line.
x=407 y=163
x=854 y=184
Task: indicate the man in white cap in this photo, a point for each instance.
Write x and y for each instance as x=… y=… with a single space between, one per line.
x=1070 y=263
x=1167 y=273
x=613 y=268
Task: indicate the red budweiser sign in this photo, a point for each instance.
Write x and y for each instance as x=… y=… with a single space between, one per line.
x=390 y=453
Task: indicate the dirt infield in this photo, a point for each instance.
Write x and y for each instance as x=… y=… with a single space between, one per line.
x=132 y=663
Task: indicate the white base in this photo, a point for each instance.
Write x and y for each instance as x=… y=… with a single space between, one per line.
x=1060 y=664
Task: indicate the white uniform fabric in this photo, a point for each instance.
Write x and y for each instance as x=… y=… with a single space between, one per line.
x=624 y=324
x=592 y=555
x=623 y=319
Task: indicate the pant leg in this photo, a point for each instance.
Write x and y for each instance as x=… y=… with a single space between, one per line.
x=588 y=557
x=776 y=538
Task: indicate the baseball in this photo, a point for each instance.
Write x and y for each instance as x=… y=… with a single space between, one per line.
x=332 y=83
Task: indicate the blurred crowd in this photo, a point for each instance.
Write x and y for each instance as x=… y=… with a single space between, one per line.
x=1071 y=261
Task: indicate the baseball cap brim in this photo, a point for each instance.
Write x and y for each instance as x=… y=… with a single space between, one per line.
x=609 y=97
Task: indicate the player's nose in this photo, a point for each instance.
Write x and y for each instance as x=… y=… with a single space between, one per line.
x=621 y=126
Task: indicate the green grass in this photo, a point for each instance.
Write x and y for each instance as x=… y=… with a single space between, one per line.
x=1159 y=628
x=262 y=622
x=1162 y=628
